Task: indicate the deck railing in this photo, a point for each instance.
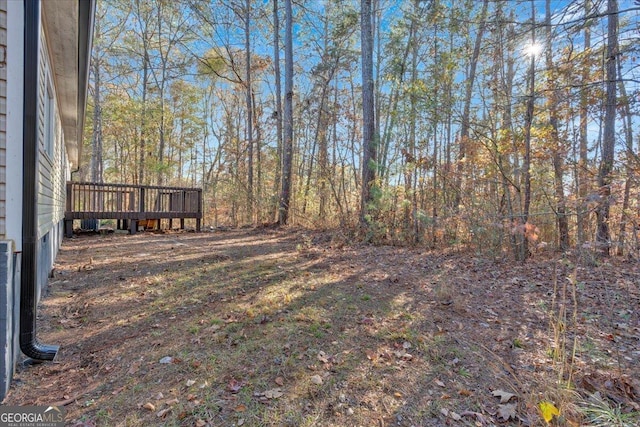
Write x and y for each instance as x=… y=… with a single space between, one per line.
x=90 y=200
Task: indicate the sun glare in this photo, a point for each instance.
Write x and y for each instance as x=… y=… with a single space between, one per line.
x=533 y=49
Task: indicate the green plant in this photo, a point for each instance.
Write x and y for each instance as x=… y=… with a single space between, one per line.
x=601 y=413
x=464 y=372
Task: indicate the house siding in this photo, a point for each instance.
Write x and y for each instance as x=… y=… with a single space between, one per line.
x=3 y=118
x=52 y=165
x=6 y=247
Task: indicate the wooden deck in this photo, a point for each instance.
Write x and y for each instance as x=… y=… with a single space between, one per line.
x=131 y=204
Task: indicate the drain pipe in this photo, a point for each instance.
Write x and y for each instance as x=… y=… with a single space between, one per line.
x=29 y=267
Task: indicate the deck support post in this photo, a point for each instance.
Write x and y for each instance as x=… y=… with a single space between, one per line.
x=68 y=228
x=133 y=226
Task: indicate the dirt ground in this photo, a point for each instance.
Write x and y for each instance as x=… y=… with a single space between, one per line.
x=286 y=327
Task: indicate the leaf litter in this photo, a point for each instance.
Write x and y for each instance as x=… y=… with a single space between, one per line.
x=352 y=331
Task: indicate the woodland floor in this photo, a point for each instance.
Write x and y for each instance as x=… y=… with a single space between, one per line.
x=285 y=327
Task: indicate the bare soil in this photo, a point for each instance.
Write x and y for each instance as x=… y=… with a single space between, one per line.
x=272 y=327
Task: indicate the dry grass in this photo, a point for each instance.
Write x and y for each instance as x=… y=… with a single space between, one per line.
x=284 y=328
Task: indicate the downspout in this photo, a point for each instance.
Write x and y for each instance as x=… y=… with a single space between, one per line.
x=28 y=278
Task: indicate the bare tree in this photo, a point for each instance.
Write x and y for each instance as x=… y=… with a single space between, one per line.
x=603 y=236
x=558 y=145
x=582 y=175
x=249 y=98
x=368 y=111
x=278 y=113
x=285 y=194
x=464 y=126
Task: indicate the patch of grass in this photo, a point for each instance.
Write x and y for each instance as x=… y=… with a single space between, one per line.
x=601 y=413
x=464 y=372
x=317 y=330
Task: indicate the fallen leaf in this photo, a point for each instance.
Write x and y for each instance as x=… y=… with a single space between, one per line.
x=200 y=423
x=454 y=416
x=478 y=416
x=406 y=345
x=279 y=381
x=398 y=395
x=240 y=422
x=273 y=393
x=134 y=368
x=323 y=357
x=465 y=392
x=172 y=402
x=159 y=396
x=190 y=383
x=316 y=379
x=240 y=408
x=166 y=360
x=234 y=385
x=506 y=412
x=548 y=410
x=149 y=406
x=440 y=383
x=163 y=413
x=503 y=395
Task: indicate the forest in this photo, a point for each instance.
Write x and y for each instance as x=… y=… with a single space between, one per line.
x=507 y=126
x=416 y=213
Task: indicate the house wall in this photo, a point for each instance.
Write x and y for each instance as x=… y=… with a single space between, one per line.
x=11 y=112
x=52 y=166
x=53 y=172
x=3 y=116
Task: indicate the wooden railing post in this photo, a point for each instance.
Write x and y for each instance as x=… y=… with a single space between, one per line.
x=142 y=207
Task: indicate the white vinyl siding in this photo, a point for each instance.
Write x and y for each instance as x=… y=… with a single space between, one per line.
x=3 y=117
x=52 y=164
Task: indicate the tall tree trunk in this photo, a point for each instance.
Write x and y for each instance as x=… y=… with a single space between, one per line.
x=285 y=194
x=603 y=236
x=247 y=45
x=410 y=196
x=558 y=151
x=278 y=113
x=143 y=120
x=161 y=87
x=368 y=112
x=628 y=133
x=466 y=112
x=258 y=155
x=528 y=120
x=96 y=153
x=583 y=177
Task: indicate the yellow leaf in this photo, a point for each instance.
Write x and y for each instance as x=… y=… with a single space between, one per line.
x=548 y=410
